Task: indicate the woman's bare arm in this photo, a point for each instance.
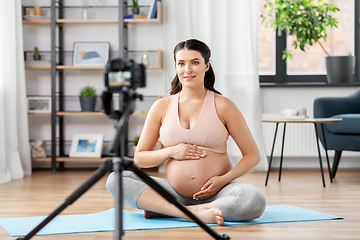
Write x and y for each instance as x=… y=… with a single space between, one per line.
x=240 y=132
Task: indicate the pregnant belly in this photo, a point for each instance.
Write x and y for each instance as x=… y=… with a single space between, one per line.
x=188 y=176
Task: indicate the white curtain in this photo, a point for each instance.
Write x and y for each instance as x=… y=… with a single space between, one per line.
x=230 y=29
x=15 y=160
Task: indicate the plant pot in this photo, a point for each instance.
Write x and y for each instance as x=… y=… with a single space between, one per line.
x=136 y=10
x=340 y=69
x=37 y=57
x=87 y=104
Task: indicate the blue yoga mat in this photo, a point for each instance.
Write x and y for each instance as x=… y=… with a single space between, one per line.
x=104 y=221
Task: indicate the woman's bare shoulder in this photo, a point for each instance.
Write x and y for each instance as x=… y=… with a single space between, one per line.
x=226 y=108
x=223 y=103
x=162 y=102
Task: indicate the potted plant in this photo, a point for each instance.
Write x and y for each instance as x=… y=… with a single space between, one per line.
x=308 y=22
x=135 y=7
x=36 y=54
x=87 y=98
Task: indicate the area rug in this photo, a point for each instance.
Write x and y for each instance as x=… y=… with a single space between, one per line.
x=104 y=221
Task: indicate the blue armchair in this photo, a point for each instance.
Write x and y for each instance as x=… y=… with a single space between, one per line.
x=343 y=135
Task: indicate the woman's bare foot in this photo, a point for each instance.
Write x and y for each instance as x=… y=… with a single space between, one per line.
x=211 y=215
x=208 y=213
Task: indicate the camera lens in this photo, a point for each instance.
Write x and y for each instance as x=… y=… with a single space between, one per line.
x=117 y=65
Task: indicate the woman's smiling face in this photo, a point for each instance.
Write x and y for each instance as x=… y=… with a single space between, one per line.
x=191 y=68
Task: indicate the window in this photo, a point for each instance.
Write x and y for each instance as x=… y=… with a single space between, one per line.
x=266 y=48
x=307 y=67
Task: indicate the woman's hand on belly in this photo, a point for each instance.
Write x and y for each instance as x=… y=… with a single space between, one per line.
x=188 y=177
x=184 y=151
x=210 y=188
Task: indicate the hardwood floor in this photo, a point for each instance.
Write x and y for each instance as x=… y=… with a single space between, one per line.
x=40 y=193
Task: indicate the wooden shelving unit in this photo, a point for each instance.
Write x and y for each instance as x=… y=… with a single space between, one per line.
x=70 y=67
x=158 y=19
x=69 y=159
x=26 y=21
x=86 y=21
x=39 y=113
x=80 y=113
x=57 y=117
x=37 y=68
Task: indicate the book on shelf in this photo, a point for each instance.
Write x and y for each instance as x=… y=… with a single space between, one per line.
x=153 y=9
x=134 y=16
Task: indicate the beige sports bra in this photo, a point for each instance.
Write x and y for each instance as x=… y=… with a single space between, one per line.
x=208 y=132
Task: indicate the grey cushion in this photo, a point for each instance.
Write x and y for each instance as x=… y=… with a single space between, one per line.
x=349 y=125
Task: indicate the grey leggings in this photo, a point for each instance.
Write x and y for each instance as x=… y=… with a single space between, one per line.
x=238 y=201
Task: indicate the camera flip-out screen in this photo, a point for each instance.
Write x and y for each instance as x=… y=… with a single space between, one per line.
x=119 y=78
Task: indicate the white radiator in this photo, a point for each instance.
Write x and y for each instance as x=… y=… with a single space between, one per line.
x=300 y=139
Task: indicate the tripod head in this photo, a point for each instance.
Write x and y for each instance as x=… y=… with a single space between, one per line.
x=127 y=97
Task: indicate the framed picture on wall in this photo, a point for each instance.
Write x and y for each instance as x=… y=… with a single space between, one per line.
x=91 y=53
x=39 y=104
x=86 y=145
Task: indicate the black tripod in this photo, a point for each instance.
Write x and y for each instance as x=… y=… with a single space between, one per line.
x=118 y=164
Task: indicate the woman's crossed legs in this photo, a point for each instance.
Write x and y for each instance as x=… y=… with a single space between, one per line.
x=234 y=202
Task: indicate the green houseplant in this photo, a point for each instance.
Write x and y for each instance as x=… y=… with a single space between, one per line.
x=87 y=97
x=307 y=21
x=135 y=7
x=304 y=19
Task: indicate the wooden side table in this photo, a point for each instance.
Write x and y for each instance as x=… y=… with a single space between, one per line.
x=314 y=121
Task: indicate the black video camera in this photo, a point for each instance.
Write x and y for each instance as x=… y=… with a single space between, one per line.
x=120 y=73
x=122 y=77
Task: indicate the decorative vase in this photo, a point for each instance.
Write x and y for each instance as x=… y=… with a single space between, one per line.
x=87 y=104
x=340 y=69
x=145 y=59
x=136 y=10
x=85 y=12
x=37 y=57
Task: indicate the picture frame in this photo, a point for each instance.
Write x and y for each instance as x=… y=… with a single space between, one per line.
x=91 y=53
x=87 y=145
x=39 y=104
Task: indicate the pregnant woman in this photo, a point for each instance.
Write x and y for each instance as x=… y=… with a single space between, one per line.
x=194 y=124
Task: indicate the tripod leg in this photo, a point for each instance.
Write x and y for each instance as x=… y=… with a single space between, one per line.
x=99 y=173
x=129 y=165
x=117 y=164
